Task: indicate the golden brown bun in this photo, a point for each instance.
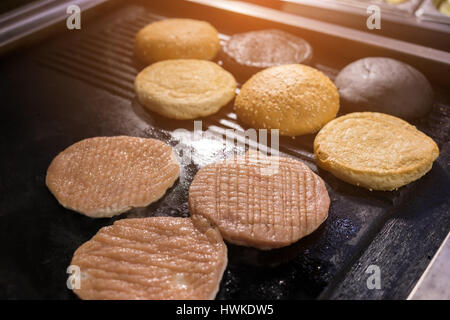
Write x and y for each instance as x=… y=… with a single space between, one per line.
x=176 y=39
x=374 y=150
x=294 y=98
x=185 y=89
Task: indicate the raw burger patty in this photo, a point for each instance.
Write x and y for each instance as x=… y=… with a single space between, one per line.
x=105 y=176
x=258 y=201
x=151 y=258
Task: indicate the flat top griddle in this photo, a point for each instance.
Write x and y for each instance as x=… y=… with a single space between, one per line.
x=80 y=84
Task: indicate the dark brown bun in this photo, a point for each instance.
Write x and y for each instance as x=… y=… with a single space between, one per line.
x=247 y=53
x=384 y=85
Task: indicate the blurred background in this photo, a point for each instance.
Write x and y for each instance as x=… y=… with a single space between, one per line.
x=424 y=22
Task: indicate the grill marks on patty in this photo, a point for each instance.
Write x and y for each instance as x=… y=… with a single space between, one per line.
x=151 y=258
x=105 y=176
x=263 y=202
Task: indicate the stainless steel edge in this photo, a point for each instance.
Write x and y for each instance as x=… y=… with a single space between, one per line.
x=27 y=20
x=337 y=31
x=428 y=12
x=435 y=281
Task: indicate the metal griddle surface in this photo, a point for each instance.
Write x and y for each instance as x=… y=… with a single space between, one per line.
x=80 y=84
